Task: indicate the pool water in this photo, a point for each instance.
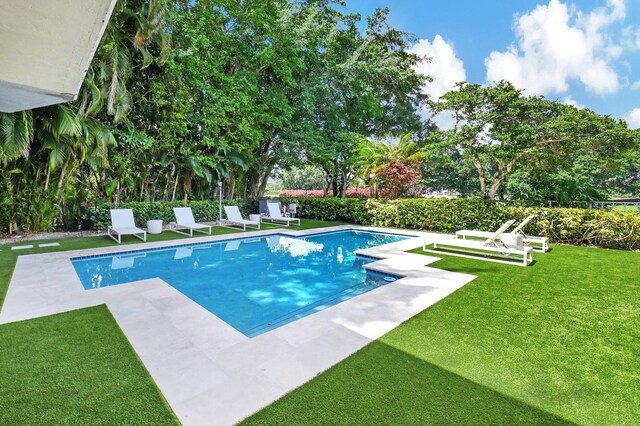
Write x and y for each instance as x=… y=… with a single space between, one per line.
x=253 y=284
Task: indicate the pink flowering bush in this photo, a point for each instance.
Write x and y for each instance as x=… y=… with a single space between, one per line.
x=359 y=192
x=302 y=193
x=315 y=193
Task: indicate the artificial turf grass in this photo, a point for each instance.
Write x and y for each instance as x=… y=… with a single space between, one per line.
x=560 y=337
x=381 y=385
x=75 y=368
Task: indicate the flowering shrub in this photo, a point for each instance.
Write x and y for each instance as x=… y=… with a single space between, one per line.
x=315 y=193
x=398 y=179
x=359 y=193
x=302 y=193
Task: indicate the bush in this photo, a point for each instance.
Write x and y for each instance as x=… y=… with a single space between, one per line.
x=97 y=217
x=29 y=208
x=315 y=193
x=601 y=228
x=353 y=210
x=595 y=227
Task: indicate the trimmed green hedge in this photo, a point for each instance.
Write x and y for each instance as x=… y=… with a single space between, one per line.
x=602 y=228
x=97 y=217
x=353 y=210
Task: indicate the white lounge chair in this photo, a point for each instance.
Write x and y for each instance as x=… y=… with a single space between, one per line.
x=275 y=215
x=122 y=223
x=185 y=220
x=234 y=217
x=492 y=245
x=528 y=240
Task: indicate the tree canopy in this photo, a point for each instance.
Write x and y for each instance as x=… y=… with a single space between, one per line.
x=498 y=128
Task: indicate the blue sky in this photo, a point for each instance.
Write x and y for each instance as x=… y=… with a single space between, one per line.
x=583 y=52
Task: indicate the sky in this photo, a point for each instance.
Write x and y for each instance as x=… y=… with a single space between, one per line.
x=582 y=52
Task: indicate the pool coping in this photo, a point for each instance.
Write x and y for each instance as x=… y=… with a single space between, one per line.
x=209 y=372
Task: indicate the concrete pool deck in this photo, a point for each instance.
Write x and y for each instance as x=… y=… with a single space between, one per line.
x=209 y=372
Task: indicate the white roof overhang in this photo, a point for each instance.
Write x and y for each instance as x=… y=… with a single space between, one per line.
x=46 y=47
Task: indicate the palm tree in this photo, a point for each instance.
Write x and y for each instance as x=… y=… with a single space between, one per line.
x=16 y=132
x=135 y=27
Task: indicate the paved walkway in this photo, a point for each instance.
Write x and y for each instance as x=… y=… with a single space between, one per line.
x=210 y=373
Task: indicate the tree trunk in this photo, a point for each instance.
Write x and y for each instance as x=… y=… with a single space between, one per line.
x=503 y=172
x=63 y=173
x=116 y=201
x=46 y=182
x=175 y=186
x=481 y=176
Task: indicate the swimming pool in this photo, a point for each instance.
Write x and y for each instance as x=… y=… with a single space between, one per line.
x=253 y=284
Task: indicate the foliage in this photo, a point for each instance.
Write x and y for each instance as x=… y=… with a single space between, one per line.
x=353 y=210
x=307 y=177
x=391 y=166
x=398 y=179
x=97 y=217
x=356 y=85
x=498 y=128
x=63 y=150
x=246 y=88
x=584 y=179
x=601 y=228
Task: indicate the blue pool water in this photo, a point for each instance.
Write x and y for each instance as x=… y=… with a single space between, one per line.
x=253 y=284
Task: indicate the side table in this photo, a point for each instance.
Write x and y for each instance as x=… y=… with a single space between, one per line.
x=154 y=226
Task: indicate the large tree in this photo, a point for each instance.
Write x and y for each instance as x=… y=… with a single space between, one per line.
x=499 y=128
x=357 y=84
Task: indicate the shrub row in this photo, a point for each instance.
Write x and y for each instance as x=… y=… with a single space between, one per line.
x=98 y=217
x=353 y=210
x=602 y=228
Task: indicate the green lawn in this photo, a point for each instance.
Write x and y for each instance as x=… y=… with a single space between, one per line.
x=556 y=342
x=75 y=368
x=78 y=367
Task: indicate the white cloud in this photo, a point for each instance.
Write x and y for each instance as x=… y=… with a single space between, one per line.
x=631 y=38
x=557 y=43
x=568 y=100
x=445 y=68
x=633 y=118
x=635 y=85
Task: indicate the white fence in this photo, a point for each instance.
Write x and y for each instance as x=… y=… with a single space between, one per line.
x=616 y=205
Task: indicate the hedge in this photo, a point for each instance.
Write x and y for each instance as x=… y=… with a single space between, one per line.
x=594 y=227
x=98 y=217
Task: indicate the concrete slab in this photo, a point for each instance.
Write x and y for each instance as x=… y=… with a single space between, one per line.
x=210 y=373
x=28 y=246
